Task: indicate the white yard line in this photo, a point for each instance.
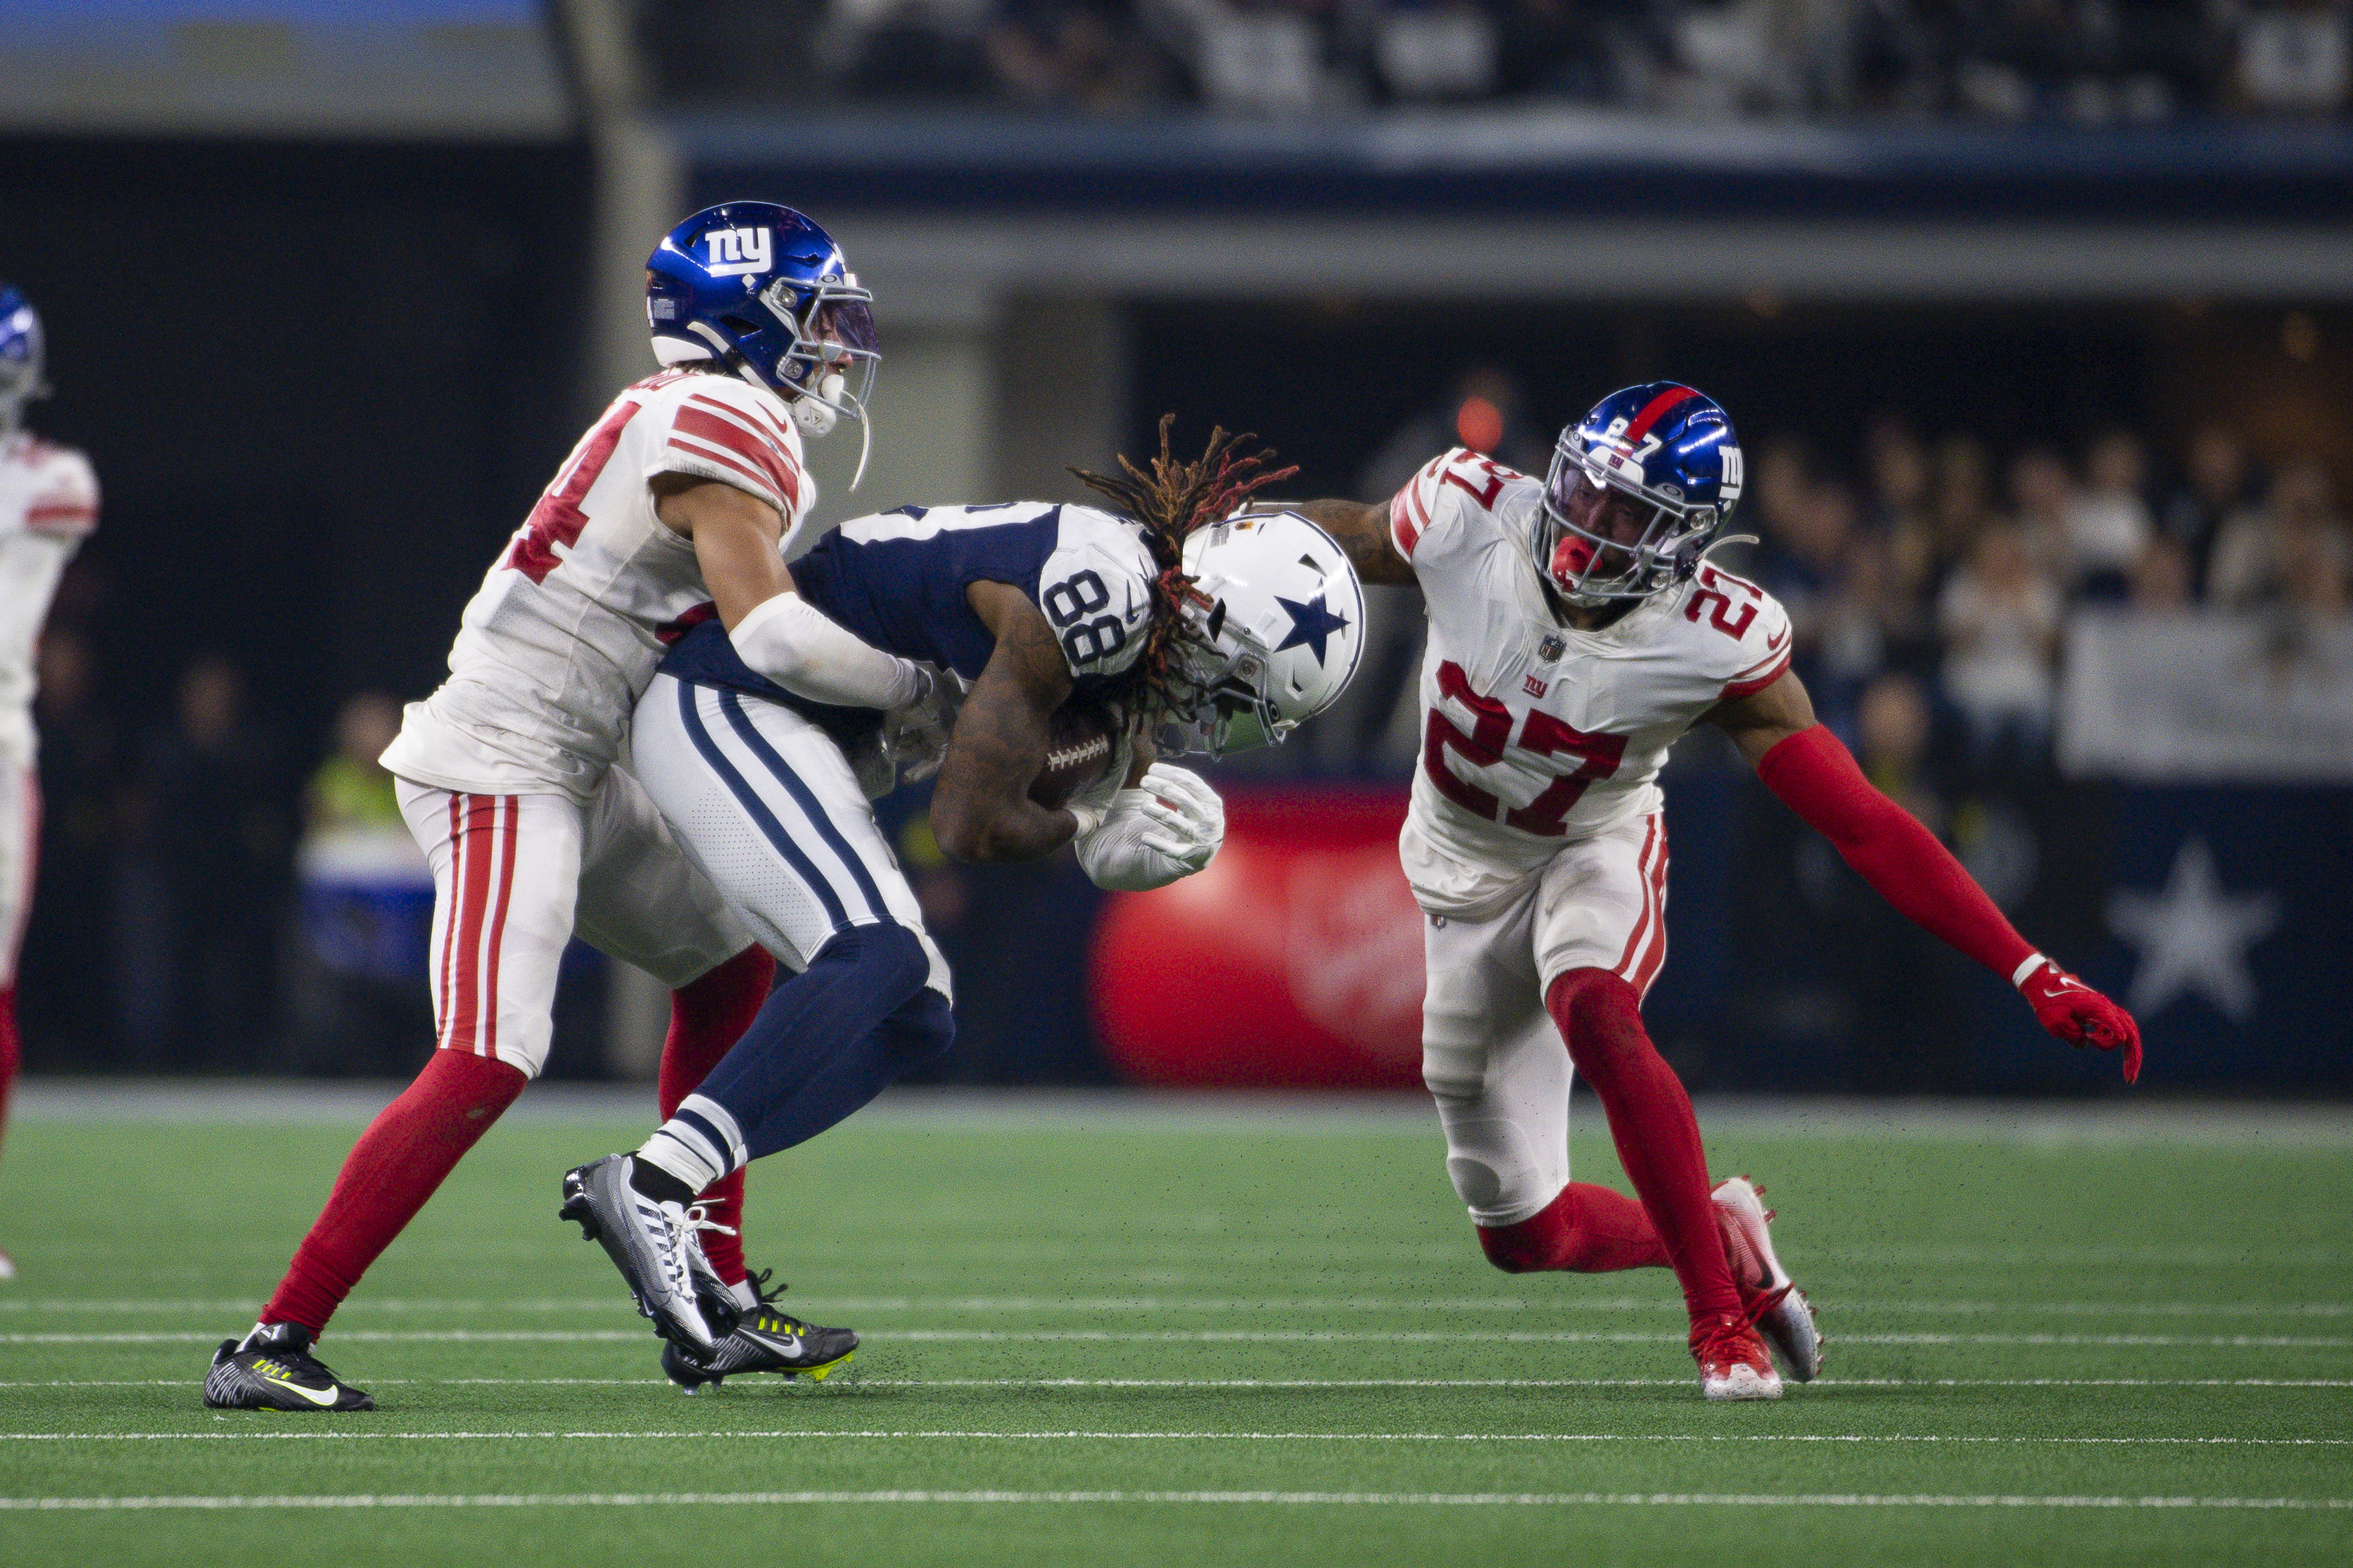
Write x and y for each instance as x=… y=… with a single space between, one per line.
x=801 y=1433
x=1326 y=1499
x=1224 y=1336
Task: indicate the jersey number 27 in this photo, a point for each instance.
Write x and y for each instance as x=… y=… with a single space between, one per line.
x=1541 y=735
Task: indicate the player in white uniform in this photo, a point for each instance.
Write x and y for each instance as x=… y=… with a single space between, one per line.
x=682 y=493
x=49 y=504
x=1576 y=631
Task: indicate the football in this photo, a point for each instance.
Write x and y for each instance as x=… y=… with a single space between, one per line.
x=1081 y=738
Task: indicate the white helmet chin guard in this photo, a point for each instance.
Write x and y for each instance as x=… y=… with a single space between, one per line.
x=1277 y=622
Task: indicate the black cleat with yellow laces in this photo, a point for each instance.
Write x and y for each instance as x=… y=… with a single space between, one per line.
x=768 y=1339
x=273 y=1369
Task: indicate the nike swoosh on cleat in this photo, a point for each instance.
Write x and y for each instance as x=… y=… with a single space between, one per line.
x=312 y=1394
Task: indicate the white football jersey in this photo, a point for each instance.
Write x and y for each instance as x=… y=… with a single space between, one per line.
x=1536 y=734
x=562 y=638
x=49 y=504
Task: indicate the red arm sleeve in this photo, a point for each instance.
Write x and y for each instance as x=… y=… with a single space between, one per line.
x=1816 y=776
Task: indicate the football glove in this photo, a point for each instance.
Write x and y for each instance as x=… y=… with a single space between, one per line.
x=1168 y=827
x=913 y=737
x=2077 y=1014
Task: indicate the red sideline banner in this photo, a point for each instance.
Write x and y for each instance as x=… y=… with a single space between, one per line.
x=1292 y=961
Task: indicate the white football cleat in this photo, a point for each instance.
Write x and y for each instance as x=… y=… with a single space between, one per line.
x=1771 y=1299
x=7 y=1268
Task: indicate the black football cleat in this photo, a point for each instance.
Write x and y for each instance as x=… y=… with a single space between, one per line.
x=765 y=1338
x=273 y=1369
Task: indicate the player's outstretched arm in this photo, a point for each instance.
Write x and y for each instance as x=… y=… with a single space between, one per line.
x=1816 y=776
x=777 y=633
x=1362 y=529
x=981 y=809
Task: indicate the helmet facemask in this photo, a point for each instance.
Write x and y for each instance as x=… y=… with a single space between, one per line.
x=830 y=361
x=20 y=358
x=1590 y=568
x=1216 y=694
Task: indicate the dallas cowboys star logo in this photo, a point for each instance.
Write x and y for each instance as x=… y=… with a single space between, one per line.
x=1310 y=623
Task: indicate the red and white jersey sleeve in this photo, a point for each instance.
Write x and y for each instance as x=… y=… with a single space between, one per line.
x=562 y=638
x=1729 y=638
x=49 y=504
x=718 y=427
x=1457 y=504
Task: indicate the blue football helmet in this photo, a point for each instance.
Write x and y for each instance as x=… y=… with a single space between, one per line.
x=765 y=291
x=22 y=353
x=1671 y=450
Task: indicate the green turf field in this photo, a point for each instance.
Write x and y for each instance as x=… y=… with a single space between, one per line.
x=1105 y=1335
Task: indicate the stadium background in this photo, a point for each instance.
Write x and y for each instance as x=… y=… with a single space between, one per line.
x=2033 y=308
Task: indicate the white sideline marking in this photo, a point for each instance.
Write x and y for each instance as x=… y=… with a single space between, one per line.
x=1225 y=1336
x=401 y=1306
x=798 y=1433
x=1338 y=1500
x=855 y=1380
x=1281 y=1382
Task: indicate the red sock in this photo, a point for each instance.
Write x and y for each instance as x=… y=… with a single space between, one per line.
x=8 y=1051
x=1586 y=1230
x=1651 y=1120
x=707 y=1016
x=397 y=1164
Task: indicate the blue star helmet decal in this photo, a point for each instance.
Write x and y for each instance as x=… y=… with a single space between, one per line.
x=1310 y=623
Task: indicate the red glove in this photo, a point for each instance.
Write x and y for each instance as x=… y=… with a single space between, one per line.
x=2077 y=1014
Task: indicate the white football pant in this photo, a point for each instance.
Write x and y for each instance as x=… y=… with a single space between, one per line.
x=769 y=808
x=514 y=876
x=1489 y=1051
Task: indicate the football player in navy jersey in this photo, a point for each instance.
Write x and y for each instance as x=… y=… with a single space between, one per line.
x=1214 y=635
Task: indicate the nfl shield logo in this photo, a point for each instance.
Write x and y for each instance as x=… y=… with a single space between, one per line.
x=1551 y=648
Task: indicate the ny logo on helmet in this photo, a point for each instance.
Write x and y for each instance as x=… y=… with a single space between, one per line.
x=738 y=252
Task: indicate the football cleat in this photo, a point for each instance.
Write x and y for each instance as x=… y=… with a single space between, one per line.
x=1770 y=1297
x=765 y=1338
x=652 y=1244
x=273 y=1369
x=1733 y=1361
x=7 y=1268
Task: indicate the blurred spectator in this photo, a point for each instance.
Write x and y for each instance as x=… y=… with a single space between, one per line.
x=1261 y=55
x=2295 y=58
x=2043 y=491
x=1871 y=625
x=2293 y=549
x=1963 y=502
x=1894 y=725
x=1072 y=54
x=2000 y=617
x=1432 y=51
x=355 y=1003
x=82 y=768
x=2163 y=581
x=2218 y=484
x=208 y=878
x=2107 y=524
x=1899 y=512
x=1806 y=551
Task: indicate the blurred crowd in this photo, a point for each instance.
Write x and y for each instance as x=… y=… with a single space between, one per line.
x=2086 y=61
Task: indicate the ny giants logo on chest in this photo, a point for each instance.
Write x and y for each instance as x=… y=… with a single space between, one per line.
x=1534 y=686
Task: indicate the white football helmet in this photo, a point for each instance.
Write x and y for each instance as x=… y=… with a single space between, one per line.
x=1277 y=618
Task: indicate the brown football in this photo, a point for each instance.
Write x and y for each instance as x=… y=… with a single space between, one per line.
x=1080 y=739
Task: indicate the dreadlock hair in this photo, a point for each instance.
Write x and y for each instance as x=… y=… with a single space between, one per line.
x=1171 y=501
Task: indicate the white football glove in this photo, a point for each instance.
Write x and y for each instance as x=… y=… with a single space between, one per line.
x=1168 y=827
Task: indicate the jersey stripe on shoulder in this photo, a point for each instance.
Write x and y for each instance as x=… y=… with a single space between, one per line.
x=1757 y=677
x=706 y=429
x=66 y=517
